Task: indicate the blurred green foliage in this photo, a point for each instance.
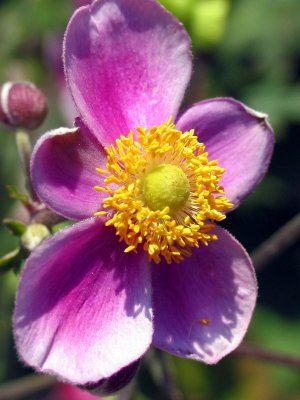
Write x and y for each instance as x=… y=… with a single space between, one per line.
x=205 y=19
x=248 y=49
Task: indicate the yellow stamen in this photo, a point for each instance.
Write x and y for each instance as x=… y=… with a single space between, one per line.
x=101 y=171
x=166 y=193
x=100 y=213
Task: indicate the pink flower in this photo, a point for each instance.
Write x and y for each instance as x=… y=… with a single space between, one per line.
x=86 y=310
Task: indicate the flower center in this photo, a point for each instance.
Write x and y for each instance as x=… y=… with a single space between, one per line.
x=166 y=186
x=163 y=193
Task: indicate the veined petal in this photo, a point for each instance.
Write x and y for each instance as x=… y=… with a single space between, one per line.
x=127 y=64
x=202 y=307
x=83 y=308
x=239 y=137
x=63 y=171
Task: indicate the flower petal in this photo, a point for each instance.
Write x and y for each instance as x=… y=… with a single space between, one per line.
x=202 y=307
x=63 y=171
x=239 y=137
x=64 y=391
x=127 y=64
x=83 y=308
x=116 y=382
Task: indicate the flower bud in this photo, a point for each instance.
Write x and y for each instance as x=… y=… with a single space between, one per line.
x=34 y=235
x=22 y=104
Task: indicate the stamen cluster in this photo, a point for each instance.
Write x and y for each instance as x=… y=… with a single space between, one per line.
x=162 y=233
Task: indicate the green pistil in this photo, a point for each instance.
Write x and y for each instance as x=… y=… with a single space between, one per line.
x=166 y=186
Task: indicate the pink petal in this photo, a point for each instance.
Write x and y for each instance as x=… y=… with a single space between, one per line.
x=239 y=137
x=83 y=308
x=64 y=391
x=80 y=3
x=202 y=307
x=63 y=171
x=127 y=64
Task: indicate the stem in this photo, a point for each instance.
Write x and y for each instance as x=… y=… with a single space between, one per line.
x=22 y=387
x=285 y=237
x=268 y=355
x=168 y=382
x=19 y=388
x=127 y=392
x=24 y=150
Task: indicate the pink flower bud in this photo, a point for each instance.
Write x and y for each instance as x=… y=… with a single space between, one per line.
x=22 y=104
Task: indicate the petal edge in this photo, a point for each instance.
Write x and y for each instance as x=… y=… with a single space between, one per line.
x=202 y=307
x=83 y=314
x=63 y=171
x=240 y=138
x=127 y=64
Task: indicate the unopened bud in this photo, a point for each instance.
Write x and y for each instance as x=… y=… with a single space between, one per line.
x=22 y=104
x=34 y=235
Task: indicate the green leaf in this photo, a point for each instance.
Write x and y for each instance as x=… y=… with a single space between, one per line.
x=16 y=195
x=208 y=22
x=61 y=225
x=16 y=227
x=11 y=261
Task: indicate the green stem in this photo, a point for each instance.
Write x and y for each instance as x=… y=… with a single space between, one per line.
x=25 y=149
x=26 y=386
x=268 y=355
